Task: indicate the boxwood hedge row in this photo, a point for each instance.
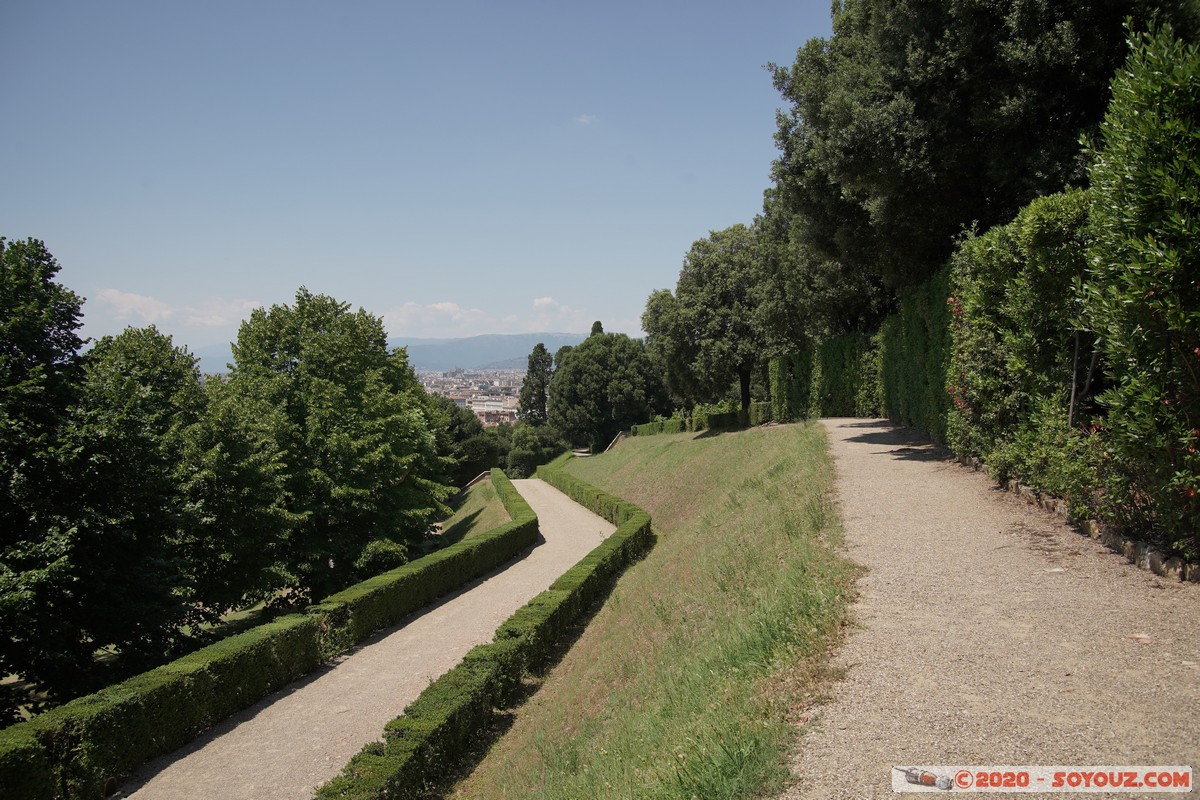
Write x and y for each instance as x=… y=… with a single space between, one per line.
x=438 y=729
x=81 y=749
x=384 y=600
x=702 y=419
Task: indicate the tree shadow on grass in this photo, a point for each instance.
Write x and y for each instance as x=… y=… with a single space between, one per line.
x=459 y=529
x=502 y=719
x=711 y=433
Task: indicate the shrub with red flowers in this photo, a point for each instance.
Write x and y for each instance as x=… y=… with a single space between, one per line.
x=1143 y=287
x=1019 y=373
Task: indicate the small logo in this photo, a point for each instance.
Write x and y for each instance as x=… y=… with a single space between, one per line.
x=923 y=777
x=1006 y=779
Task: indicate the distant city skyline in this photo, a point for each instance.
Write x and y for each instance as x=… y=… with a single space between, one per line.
x=481 y=351
x=456 y=169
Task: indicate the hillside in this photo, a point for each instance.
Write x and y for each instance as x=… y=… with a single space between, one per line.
x=491 y=351
x=682 y=685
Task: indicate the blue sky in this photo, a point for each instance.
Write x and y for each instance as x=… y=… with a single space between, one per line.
x=457 y=168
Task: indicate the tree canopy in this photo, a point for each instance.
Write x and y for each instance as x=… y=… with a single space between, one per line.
x=604 y=385
x=362 y=460
x=463 y=439
x=918 y=119
x=100 y=564
x=531 y=406
x=40 y=368
x=710 y=333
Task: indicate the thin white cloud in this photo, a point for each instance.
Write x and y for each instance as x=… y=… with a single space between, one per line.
x=586 y=119
x=551 y=315
x=442 y=319
x=140 y=309
x=219 y=312
x=130 y=307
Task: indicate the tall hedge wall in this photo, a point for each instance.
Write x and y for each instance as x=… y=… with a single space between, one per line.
x=914 y=350
x=72 y=752
x=1076 y=364
x=1019 y=357
x=706 y=417
x=1143 y=289
x=837 y=378
x=1063 y=349
x=790 y=379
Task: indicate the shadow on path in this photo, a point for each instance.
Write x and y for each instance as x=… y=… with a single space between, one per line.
x=906 y=444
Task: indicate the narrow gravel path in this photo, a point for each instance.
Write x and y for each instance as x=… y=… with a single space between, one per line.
x=297 y=739
x=988 y=632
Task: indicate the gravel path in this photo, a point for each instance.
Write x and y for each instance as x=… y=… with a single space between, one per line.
x=297 y=739
x=988 y=632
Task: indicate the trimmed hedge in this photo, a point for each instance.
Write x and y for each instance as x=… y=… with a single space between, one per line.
x=725 y=421
x=759 y=413
x=352 y=614
x=790 y=378
x=674 y=425
x=914 y=354
x=838 y=375
x=646 y=429
x=701 y=419
x=1142 y=290
x=437 y=730
x=73 y=751
x=838 y=378
x=1017 y=351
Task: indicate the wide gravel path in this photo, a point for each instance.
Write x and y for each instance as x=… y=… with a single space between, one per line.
x=988 y=632
x=297 y=739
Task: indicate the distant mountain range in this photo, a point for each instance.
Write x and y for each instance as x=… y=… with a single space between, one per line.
x=490 y=351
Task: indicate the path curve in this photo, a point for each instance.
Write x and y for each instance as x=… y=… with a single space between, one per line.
x=989 y=632
x=292 y=742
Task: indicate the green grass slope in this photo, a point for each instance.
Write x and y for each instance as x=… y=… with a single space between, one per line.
x=476 y=511
x=688 y=682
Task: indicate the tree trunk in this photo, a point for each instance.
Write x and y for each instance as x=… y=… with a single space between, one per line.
x=744 y=376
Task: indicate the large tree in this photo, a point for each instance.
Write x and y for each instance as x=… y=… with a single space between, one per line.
x=362 y=459
x=919 y=118
x=710 y=333
x=102 y=569
x=532 y=446
x=807 y=297
x=136 y=503
x=235 y=524
x=603 y=385
x=531 y=406
x=40 y=369
x=39 y=376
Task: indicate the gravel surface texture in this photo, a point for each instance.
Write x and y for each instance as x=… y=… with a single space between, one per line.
x=297 y=739
x=987 y=632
